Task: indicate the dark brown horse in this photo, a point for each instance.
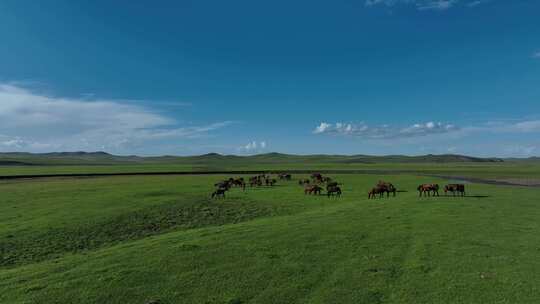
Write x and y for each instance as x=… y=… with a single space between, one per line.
x=313 y=189
x=375 y=191
x=239 y=182
x=428 y=189
x=459 y=188
x=255 y=181
x=326 y=179
x=270 y=182
x=386 y=187
x=316 y=176
x=226 y=184
x=219 y=193
x=335 y=190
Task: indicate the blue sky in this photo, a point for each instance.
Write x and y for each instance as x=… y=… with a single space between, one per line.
x=244 y=77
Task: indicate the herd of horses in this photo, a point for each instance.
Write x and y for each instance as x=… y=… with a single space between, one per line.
x=317 y=183
x=313 y=185
x=433 y=189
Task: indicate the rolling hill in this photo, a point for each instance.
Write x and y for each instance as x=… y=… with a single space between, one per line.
x=103 y=158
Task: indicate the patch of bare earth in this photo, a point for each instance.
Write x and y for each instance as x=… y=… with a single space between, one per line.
x=531 y=182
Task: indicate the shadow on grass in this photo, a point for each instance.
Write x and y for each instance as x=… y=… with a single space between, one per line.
x=466 y=196
x=457 y=196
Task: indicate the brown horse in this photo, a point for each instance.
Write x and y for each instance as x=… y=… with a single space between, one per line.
x=427 y=189
x=316 y=176
x=226 y=184
x=375 y=191
x=219 y=193
x=313 y=189
x=239 y=182
x=460 y=188
x=332 y=184
x=386 y=187
x=326 y=179
x=255 y=181
x=335 y=190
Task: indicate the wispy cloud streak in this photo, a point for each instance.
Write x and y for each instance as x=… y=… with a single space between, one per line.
x=38 y=123
x=439 y=5
x=365 y=131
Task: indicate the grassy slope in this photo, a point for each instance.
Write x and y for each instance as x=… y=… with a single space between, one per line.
x=297 y=249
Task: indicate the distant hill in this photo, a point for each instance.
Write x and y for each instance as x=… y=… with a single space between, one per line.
x=103 y=158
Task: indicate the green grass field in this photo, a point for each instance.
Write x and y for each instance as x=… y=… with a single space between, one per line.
x=479 y=170
x=134 y=239
x=92 y=163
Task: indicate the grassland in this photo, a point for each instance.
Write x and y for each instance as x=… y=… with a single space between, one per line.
x=101 y=163
x=133 y=239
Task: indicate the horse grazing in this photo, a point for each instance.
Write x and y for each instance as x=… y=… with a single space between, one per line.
x=375 y=191
x=427 y=189
x=386 y=187
x=460 y=188
x=255 y=181
x=270 y=182
x=335 y=190
x=219 y=193
x=314 y=189
x=239 y=182
x=332 y=184
x=226 y=184
x=316 y=176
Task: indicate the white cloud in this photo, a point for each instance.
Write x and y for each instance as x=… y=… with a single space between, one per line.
x=253 y=146
x=527 y=126
x=365 y=131
x=426 y=4
x=39 y=123
x=536 y=55
x=436 y=5
x=322 y=128
x=505 y=126
x=477 y=3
